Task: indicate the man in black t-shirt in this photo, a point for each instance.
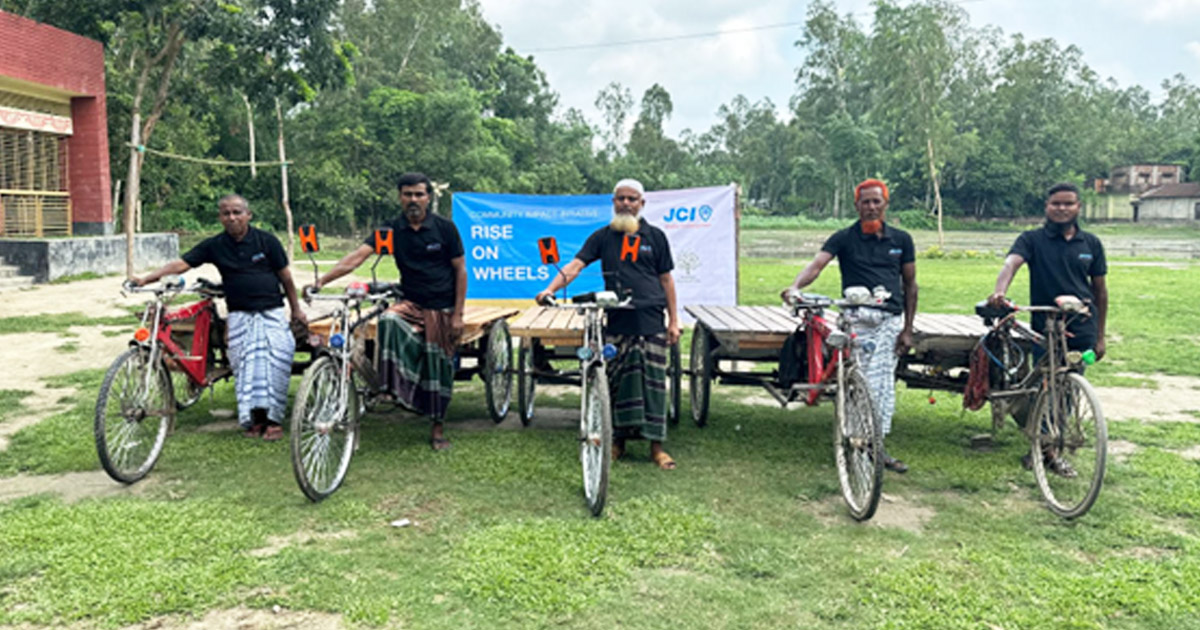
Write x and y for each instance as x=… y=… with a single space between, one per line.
x=1063 y=260
x=634 y=256
x=873 y=254
x=419 y=336
x=254 y=271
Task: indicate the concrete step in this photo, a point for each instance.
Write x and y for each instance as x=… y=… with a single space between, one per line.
x=9 y=271
x=15 y=282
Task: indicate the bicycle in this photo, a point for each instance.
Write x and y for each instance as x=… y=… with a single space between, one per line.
x=595 y=406
x=1065 y=418
x=832 y=370
x=341 y=383
x=157 y=376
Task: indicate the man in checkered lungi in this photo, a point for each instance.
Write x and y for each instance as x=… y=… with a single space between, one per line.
x=873 y=254
x=636 y=256
x=418 y=337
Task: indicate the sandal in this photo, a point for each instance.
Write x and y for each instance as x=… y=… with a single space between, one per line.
x=439 y=444
x=663 y=460
x=273 y=433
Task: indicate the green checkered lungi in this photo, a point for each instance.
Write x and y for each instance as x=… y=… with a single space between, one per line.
x=413 y=366
x=638 y=380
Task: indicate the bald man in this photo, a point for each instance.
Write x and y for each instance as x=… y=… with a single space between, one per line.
x=872 y=253
x=639 y=372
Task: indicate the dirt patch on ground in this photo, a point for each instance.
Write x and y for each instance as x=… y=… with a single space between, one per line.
x=1169 y=403
x=895 y=512
x=71 y=487
x=275 y=544
x=27 y=363
x=1192 y=453
x=1121 y=449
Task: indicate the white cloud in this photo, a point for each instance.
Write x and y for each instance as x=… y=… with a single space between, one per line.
x=1161 y=10
x=699 y=73
x=1194 y=48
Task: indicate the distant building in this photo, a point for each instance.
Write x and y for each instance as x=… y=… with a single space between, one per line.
x=1135 y=179
x=1172 y=202
x=54 y=173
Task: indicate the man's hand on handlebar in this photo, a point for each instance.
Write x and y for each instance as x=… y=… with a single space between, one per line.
x=997 y=300
x=310 y=290
x=545 y=298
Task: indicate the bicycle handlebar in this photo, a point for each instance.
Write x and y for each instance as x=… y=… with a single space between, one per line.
x=176 y=284
x=599 y=299
x=370 y=292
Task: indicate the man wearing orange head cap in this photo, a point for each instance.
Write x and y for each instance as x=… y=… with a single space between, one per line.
x=880 y=257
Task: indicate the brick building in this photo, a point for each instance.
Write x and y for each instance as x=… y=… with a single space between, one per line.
x=54 y=173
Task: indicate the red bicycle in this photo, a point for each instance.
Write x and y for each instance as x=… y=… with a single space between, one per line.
x=157 y=376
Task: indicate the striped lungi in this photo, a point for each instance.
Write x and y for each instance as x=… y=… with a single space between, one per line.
x=261 y=347
x=638 y=380
x=875 y=352
x=416 y=357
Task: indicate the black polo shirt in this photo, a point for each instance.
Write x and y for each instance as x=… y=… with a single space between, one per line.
x=423 y=256
x=871 y=260
x=249 y=268
x=649 y=297
x=1061 y=267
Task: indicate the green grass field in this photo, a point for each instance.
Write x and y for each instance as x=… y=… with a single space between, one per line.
x=749 y=532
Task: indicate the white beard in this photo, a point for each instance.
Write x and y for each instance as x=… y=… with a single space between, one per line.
x=626 y=223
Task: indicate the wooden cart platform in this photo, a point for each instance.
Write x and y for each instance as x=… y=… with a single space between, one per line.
x=767 y=327
x=476 y=320
x=552 y=326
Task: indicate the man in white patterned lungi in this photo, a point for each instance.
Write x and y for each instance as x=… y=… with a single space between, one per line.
x=255 y=275
x=873 y=254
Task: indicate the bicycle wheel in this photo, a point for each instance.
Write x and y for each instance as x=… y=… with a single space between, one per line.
x=186 y=392
x=674 y=385
x=497 y=372
x=526 y=381
x=324 y=429
x=134 y=410
x=700 y=384
x=857 y=445
x=1074 y=430
x=595 y=437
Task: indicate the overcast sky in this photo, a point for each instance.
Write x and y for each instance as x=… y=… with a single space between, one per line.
x=1132 y=41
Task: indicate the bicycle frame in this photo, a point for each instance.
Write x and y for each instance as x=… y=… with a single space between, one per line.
x=156 y=318
x=817 y=330
x=1052 y=364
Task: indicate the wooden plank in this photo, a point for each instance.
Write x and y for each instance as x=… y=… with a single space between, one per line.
x=780 y=317
x=746 y=319
x=718 y=319
x=767 y=316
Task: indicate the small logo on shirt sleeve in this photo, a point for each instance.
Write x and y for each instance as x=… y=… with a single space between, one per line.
x=1085 y=257
x=895 y=251
x=259 y=257
x=433 y=247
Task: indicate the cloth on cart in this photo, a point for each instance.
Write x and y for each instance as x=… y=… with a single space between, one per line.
x=875 y=350
x=416 y=357
x=638 y=380
x=261 y=347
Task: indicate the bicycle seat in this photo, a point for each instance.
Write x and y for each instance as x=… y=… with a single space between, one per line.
x=209 y=287
x=987 y=311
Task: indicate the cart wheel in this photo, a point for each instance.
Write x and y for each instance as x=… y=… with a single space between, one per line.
x=497 y=370
x=674 y=385
x=134 y=411
x=701 y=381
x=526 y=381
x=857 y=445
x=595 y=438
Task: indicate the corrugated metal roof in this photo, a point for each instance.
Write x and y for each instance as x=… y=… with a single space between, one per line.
x=1174 y=191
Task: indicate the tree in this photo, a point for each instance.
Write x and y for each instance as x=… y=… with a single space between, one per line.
x=614 y=102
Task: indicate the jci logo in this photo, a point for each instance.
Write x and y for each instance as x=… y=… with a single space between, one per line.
x=689 y=215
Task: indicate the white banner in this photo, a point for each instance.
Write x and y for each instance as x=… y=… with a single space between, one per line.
x=701 y=225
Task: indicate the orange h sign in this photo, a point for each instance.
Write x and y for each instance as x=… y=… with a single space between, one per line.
x=629 y=247
x=308 y=239
x=383 y=241
x=548 y=247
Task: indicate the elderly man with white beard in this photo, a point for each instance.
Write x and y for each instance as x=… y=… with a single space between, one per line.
x=634 y=256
